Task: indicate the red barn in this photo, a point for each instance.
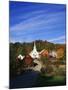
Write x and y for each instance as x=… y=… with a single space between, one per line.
x=28 y=60
x=44 y=53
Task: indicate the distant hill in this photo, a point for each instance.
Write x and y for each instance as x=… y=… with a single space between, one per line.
x=40 y=44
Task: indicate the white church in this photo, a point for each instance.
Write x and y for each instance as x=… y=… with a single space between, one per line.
x=34 y=53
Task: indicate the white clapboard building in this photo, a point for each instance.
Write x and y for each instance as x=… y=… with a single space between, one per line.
x=34 y=53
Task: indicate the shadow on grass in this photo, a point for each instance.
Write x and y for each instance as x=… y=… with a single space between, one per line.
x=43 y=81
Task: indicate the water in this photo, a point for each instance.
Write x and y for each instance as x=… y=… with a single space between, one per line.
x=27 y=79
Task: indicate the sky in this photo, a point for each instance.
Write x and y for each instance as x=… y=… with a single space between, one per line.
x=37 y=21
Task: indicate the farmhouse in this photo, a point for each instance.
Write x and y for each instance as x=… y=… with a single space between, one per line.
x=52 y=54
x=20 y=57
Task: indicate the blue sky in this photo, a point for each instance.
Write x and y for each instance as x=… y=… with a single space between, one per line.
x=36 y=21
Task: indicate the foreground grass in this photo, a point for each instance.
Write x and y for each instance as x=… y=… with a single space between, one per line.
x=50 y=81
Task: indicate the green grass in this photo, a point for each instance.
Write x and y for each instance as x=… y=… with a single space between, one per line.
x=50 y=81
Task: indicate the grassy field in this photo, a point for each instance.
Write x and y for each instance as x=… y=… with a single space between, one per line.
x=50 y=81
x=52 y=77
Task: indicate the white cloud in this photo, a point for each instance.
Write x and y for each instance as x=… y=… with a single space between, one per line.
x=36 y=21
x=57 y=39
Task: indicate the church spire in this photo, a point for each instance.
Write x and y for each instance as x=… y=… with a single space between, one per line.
x=34 y=53
x=34 y=48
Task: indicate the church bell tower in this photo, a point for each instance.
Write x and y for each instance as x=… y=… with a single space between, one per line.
x=34 y=53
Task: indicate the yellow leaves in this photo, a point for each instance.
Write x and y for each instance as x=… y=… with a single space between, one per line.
x=60 y=53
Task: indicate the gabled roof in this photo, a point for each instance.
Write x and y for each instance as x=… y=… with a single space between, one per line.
x=20 y=57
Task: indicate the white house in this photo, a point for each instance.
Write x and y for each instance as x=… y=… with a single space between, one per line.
x=20 y=57
x=53 y=54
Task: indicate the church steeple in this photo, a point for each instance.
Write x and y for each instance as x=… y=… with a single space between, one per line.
x=34 y=53
x=34 y=48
